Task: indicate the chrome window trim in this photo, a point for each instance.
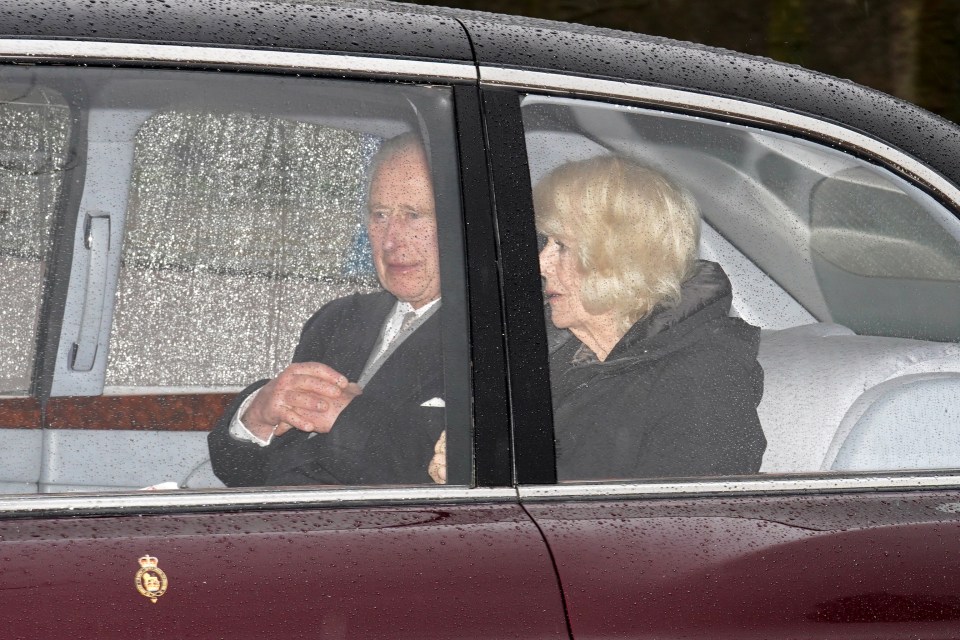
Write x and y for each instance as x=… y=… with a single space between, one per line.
x=763 y=114
x=69 y=505
x=757 y=486
x=131 y=390
x=110 y=51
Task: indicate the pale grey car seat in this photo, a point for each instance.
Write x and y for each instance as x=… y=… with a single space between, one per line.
x=910 y=422
x=821 y=381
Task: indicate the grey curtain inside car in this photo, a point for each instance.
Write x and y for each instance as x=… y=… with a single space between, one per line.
x=238 y=228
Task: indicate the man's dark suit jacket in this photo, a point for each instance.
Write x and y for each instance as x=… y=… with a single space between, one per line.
x=384 y=436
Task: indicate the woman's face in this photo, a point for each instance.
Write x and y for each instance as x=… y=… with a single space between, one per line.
x=562 y=279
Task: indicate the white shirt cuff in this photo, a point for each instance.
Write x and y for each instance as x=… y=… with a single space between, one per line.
x=239 y=431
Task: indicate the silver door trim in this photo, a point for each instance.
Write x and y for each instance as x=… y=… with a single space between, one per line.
x=757 y=486
x=187 y=500
x=361 y=64
x=651 y=95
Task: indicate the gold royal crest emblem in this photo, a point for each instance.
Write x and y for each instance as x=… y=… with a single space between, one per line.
x=151 y=580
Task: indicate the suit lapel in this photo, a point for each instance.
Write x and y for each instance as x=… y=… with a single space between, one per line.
x=374 y=362
x=358 y=340
x=419 y=358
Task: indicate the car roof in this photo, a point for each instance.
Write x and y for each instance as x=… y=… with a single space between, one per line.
x=346 y=27
x=526 y=43
x=443 y=34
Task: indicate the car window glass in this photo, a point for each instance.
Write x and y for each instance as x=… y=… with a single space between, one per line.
x=838 y=331
x=34 y=135
x=227 y=224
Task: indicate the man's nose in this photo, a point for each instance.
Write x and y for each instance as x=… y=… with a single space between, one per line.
x=394 y=233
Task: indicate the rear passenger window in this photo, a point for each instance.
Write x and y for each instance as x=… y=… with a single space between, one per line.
x=229 y=227
x=722 y=300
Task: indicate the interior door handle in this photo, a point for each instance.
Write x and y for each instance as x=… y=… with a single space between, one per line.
x=96 y=239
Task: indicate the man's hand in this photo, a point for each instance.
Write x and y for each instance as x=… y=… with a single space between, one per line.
x=438 y=464
x=308 y=396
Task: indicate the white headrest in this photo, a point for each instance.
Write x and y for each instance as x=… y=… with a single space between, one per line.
x=814 y=374
x=910 y=422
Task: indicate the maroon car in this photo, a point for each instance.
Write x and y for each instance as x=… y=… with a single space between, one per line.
x=183 y=185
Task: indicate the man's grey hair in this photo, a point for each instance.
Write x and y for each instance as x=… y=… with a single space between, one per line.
x=392 y=148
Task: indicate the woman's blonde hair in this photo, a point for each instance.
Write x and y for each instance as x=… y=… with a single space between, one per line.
x=635 y=233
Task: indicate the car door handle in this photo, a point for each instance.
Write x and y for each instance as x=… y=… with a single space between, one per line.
x=96 y=239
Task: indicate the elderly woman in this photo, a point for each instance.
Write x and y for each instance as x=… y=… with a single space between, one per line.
x=650 y=375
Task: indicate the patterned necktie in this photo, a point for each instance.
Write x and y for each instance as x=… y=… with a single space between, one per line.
x=374 y=362
x=408 y=319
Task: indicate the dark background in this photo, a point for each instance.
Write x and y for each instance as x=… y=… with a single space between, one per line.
x=908 y=48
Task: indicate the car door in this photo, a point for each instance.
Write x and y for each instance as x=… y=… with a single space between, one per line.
x=849 y=267
x=209 y=215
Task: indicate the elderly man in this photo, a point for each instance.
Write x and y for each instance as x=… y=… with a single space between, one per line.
x=362 y=402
